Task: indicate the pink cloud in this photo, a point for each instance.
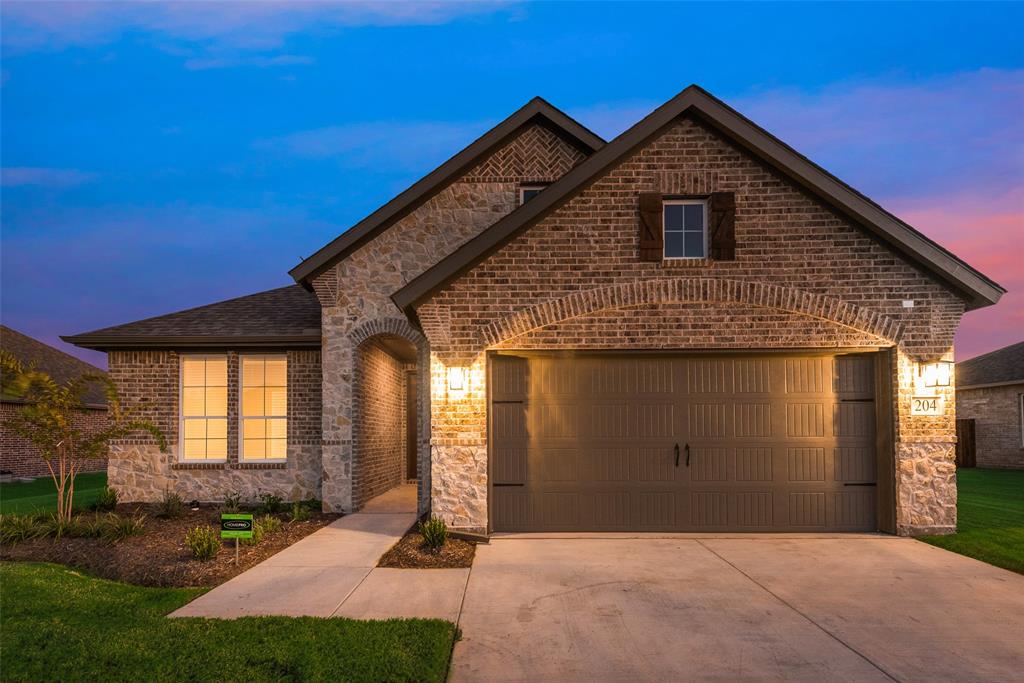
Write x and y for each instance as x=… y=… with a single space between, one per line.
x=987 y=231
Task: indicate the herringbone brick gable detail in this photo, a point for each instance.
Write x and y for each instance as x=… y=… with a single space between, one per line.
x=709 y=290
x=535 y=154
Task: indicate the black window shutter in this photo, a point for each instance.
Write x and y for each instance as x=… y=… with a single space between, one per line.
x=722 y=228
x=652 y=236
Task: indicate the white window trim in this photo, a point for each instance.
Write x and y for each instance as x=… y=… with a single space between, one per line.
x=529 y=186
x=664 y=242
x=181 y=408
x=242 y=418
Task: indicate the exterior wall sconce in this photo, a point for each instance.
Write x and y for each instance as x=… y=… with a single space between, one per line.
x=938 y=374
x=456 y=379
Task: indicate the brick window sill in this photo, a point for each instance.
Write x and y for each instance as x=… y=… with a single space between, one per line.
x=686 y=263
x=199 y=465
x=260 y=466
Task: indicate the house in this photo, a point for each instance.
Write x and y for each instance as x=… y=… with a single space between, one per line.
x=990 y=393
x=18 y=458
x=690 y=327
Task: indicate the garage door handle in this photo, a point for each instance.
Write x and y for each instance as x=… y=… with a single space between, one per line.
x=677 y=455
x=687 y=455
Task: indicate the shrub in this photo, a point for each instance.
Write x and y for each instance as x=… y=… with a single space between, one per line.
x=434 y=532
x=53 y=526
x=270 y=504
x=115 y=528
x=203 y=542
x=257 y=534
x=271 y=525
x=17 y=528
x=299 y=512
x=171 y=506
x=107 y=500
x=232 y=503
x=85 y=527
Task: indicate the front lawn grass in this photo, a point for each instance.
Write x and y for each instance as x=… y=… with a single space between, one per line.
x=60 y=625
x=40 y=495
x=990 y=518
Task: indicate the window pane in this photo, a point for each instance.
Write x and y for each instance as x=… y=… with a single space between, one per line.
x=195 y=429
x=217 y=429
x=193 y=372
x=194 y=449
x=193 y=401
x=252 y=402
x=216 y=372
x=276 y=401
x=254 y=449
x=216 y=400
x=217 y=449
x=694 y=244
x=674 y=216
x=277 y=429
x=254 y=429
x=277 y=448
x=674 y=245
x=276 y=372
x=252 y=372
x=694 y=216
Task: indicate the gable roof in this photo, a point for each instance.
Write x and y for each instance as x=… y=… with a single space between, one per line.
x=1002 y=366
x=976 y=289
x=54 y=362
x=284 y=317
x=536 y=110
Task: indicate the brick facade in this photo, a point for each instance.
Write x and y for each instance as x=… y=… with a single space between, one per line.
x=356 y=292
x=803 y=277
x=18 y=458
x=380 y=411
x=141 y=472
x=997 y=424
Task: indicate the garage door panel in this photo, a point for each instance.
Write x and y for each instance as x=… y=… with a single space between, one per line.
x=772 y=444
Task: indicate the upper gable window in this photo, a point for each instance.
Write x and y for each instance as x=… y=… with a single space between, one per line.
x=686 y=228
x=528 y=192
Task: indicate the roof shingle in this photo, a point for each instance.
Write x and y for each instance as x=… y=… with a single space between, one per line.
x=288 y=316
x=1002 y=366
x=54 y=362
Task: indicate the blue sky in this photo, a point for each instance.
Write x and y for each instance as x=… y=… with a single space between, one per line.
x=160 y=156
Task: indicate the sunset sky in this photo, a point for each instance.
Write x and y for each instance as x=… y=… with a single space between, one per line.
x=162 y=156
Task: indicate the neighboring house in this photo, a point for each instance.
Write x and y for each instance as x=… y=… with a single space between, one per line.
x=691 y=327
x=18 y=458
x=990 y=391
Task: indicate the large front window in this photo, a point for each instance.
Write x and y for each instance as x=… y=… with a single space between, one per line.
x=264 y=426
x=204 y=408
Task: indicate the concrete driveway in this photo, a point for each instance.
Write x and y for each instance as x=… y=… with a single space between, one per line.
x=862 y=608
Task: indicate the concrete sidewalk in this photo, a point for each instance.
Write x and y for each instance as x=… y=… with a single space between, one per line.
x=332 y=572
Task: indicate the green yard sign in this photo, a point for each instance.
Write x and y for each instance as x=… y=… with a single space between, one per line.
x=236 y=526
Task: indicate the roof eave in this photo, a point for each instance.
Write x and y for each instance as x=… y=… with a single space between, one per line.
x=430 y=184
x=139 y=342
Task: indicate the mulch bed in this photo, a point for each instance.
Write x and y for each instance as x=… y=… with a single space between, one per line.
x=410 y=553
x=158 y=557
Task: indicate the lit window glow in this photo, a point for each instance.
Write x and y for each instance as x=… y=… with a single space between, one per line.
x=264 y=411
x=204 y=408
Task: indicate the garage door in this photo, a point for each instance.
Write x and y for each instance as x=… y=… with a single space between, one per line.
x=682 y=443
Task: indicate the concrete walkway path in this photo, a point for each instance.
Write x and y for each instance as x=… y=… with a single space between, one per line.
x=333 y=572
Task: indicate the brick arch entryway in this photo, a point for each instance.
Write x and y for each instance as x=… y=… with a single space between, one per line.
x=388 y=408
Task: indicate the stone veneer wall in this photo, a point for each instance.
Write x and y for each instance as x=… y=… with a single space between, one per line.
x=19 y=458
x=997 y=428
x=803 y=277
x=141 y=472
x=380 y=409
x=356 y=292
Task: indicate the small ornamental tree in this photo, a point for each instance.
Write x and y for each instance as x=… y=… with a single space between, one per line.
x=48 y=422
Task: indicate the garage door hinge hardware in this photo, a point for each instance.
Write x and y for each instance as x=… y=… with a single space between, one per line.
x=860 y=483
